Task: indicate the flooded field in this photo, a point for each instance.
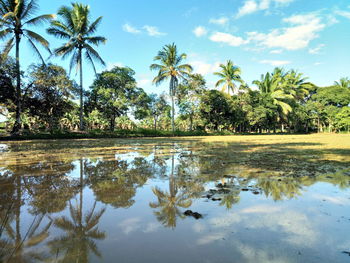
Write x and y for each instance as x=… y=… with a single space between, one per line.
x=212 y=199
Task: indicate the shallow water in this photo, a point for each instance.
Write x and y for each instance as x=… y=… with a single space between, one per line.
x=125 y=201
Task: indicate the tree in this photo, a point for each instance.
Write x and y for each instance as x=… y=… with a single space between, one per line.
x=170 y=67
x=189 y=94
x=343 y=82
x=7 y=85
x=275 y=86
x=16 y=15
x=215 y=109
x=158 y=106
x=229 y=75
x=113 y=93
x=51 y=94
x=75 y=27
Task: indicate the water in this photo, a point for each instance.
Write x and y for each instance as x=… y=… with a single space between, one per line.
x=124 y=201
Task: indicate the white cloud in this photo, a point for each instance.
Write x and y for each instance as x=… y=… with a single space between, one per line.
x=318 y=63
x=200 y=31
x=302 y=30
x=130 y=225
x=203 y=67
x=276 y=51
x=219 y=21
x=228 y=39
x=210 y=238
x=153 y=31
x=150 y=30
x=317 y=49
x=252 y=6
x=275 y=63
x=130 y=29
x=343 y=13
x=249 y=7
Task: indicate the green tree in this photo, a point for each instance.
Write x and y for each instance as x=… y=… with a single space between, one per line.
x=75 y=27
x=229 y=75
x=170 y=67
x=275 y=85
x=189 y=94
x=215 y=109
x=343 y=82
x=343 y=119
x=7 y=84
x=158 y=106
x=113 y=93
x=16 y=16
x=51 y=94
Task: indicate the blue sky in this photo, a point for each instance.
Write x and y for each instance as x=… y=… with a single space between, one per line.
x=311 y=36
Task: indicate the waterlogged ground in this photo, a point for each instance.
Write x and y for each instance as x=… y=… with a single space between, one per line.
x=212 y=199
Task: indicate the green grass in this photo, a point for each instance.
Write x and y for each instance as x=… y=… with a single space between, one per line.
x=96 y=134
x=102 y=134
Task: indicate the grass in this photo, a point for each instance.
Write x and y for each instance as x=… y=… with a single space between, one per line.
x=96 y=134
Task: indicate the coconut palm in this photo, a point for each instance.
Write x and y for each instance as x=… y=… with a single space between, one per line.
x=76 y=28
x=343 y=82
x=15 y=18
x=274 y=85
x=170 y=67
x=297 y=85
x=229 y=75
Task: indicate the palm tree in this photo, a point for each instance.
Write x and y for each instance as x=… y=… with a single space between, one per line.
x=75 y=27
x=15 y=16
x=343 y=82
x=298 y=85
x=170 y=67
x=229 y=74
x=274 y=86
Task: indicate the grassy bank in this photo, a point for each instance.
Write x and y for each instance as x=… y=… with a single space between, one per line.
x=96 y=134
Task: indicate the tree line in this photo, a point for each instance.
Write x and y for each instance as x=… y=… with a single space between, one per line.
x=44 y=97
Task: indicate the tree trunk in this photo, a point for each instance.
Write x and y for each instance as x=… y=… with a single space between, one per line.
x=191 y=122
x=112 y=123
x=172 y=91
x=155 y=123
x=18 y=124
x=81 y=123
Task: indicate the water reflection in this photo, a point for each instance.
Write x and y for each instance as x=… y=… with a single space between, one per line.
x=80 y=233
x=169 y=202
x=58 y=207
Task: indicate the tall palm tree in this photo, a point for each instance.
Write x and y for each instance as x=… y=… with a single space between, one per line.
x=229 y=75
x=75 y=27
x=170 y=67
x=15 y=17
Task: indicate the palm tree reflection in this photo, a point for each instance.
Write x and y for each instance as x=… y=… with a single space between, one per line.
x=169 y=202
x=80 y=235
x=80 y=231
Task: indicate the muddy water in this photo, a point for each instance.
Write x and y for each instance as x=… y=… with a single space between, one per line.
x=174 y=201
